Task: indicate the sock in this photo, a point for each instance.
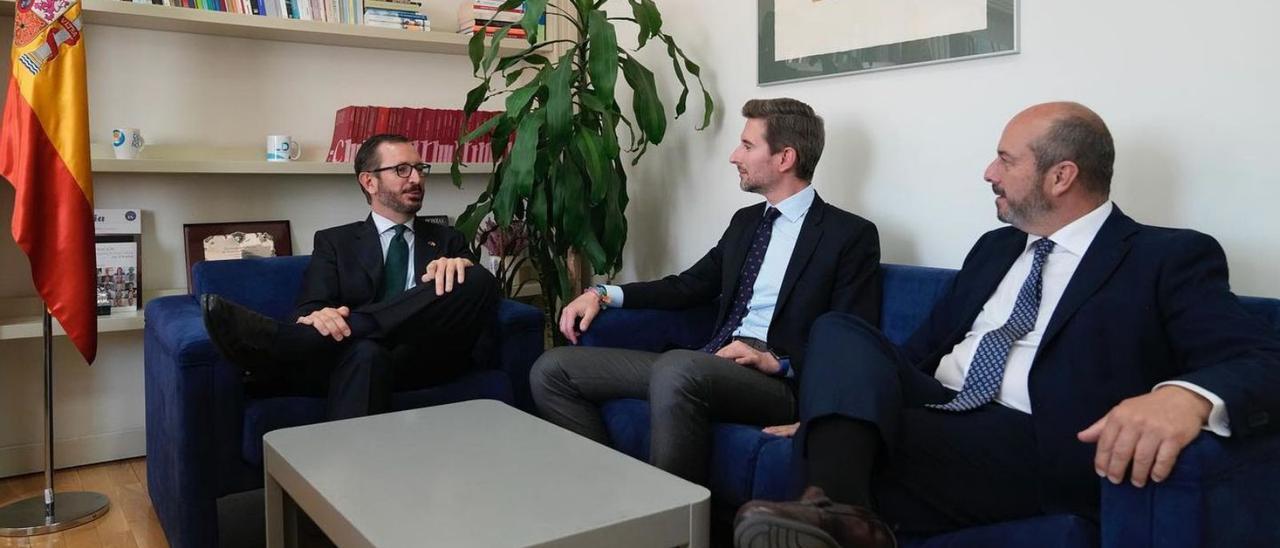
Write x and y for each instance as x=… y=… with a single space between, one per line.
x=841 y=453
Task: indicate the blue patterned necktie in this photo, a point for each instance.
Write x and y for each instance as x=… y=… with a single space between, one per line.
x=986 y=372
x=746 y=282
x=396 y=265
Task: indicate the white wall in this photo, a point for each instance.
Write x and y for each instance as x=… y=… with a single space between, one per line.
x=200 y=90
x=1188 y=89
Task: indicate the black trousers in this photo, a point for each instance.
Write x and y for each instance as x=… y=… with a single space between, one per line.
x=935 y=471
x=415 y=340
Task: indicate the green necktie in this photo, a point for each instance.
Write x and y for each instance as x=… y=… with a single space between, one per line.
x=395 y=268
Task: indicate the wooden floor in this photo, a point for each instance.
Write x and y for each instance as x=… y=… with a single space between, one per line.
x=131 y=522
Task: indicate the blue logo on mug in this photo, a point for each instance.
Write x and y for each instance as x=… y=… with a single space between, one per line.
x=117 y=137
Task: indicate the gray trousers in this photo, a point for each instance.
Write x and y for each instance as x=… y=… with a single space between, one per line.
x=687 y=391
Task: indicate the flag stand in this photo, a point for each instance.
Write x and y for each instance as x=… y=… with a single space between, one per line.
x=50 y=512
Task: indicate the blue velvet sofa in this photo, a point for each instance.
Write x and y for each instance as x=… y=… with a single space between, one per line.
x=204 y=435
x=1222 y=492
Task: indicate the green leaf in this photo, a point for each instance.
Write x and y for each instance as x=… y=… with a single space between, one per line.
x=469 y=222
x=648 y=26
x=533 y=10
x=519 y=99
x=511 y=77
x=518 y=182
x=538 y=213
x=494 y=46
x=562 y=278
x=476 y=96
x=650 y=114
x=675 y=66
x=475 y=51
x=574 y=207
x=602 y=54
x=590 y=247
x=588 y=148
x=559 y=106
x=484 y=128
x=525 y=55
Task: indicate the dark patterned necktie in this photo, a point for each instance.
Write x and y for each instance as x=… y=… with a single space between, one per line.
x=986 y=372
x=746 y=282
x=396 y=267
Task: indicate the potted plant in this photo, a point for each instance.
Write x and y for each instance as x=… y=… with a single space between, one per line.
x=558 y=168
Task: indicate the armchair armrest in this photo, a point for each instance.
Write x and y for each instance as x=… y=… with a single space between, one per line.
x=1222 y=492
x=520 y=340
x=651 y=330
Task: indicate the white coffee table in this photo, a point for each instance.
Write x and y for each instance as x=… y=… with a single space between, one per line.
x=476 y=473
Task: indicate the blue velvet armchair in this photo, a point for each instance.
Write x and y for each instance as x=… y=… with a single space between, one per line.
x=204 y=434
x=1222 y=492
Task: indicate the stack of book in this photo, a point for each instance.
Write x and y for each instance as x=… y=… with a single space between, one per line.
x=333 y=11
x=483 y=16
x=433 y=132
x=395 y=14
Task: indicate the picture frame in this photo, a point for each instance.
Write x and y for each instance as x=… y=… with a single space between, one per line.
x=235 y=240
x=999 y=37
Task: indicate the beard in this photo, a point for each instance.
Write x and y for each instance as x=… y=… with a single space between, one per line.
x=398 y=202
x=1026 y=211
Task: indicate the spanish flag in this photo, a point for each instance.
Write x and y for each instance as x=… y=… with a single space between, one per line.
x=44 y=153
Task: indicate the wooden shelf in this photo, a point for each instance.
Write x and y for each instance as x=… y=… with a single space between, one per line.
x=178 y=159
x=25 y=323
x=116 y=13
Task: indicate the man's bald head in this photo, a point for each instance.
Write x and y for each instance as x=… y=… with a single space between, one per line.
x=1071 y=132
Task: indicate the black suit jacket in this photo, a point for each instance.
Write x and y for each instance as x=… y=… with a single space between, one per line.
x=834 y=267
x=1145 y=305
x=346 y=263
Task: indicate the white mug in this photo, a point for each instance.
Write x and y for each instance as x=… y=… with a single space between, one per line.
x=127 y=142
x=281 y=148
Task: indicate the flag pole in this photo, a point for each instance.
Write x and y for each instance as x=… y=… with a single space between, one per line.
x=50 y=512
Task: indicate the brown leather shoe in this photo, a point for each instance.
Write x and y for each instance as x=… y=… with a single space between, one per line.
x=812 y=522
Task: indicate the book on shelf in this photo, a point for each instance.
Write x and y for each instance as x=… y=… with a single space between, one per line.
x=117 y=246
x=433 y=132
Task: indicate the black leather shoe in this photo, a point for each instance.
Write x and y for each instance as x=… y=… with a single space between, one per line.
x=243 y=336
x=812 y=522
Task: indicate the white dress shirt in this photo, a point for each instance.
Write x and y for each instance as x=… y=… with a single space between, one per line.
x=385 y=233
x=1071 y=243
x=764 y=294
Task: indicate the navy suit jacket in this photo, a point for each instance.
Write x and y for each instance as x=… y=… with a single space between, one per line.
x=834 y=267
x=346 y=263
x=1145 y=305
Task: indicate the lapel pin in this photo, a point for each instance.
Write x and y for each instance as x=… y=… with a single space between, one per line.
x=431 y=243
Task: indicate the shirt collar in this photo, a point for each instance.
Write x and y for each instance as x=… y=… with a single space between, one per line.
x=795 y=206
x=1076 y=236
x=384 y=224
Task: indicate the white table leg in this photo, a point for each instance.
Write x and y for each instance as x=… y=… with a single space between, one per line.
x=282 y=515
x=700 y=524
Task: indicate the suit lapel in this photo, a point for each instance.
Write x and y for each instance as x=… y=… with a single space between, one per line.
x=1103 y=256
x=425 y=247
x=735 y=256
x=806 y=242
x=990 y=271
x=370 y=247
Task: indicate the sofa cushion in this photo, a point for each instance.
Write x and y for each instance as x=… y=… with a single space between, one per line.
x=269 y=286
x=267 y=414
x=909 y=295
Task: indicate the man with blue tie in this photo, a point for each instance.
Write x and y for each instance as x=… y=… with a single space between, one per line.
x=778 y=266
x=1074 y=342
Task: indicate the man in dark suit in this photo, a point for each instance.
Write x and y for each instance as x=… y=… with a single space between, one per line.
x=365 y=326
x=1075 y=342
x=777 y=267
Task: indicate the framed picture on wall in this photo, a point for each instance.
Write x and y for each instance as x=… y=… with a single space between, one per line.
x=806 y=39
x=239 y=240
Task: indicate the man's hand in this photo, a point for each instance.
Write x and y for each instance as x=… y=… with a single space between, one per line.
x=586 y=307
x=742 y=354
x=444 y=271
x=785 y=430
x=1149 y=431
x=329 y=321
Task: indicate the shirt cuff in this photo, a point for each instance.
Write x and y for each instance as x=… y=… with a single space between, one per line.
x=786 y=372
x=615 y=295
x=1218 y=422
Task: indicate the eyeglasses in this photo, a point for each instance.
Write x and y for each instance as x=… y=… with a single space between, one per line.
x=403 y=171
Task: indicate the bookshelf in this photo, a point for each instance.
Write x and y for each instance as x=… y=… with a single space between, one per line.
x=117 y=13
x=186 y=159
x=22 y=318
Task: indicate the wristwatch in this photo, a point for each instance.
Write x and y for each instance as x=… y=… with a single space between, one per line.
x=602 y=295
